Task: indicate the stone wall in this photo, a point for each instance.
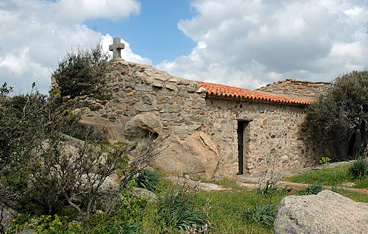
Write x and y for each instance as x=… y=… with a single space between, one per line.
x=274 y=132
x=179 y=104
x=146 y=100
x=296 y=88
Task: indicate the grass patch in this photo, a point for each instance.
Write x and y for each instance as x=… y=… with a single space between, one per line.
x=229 y=208
x=361 y=183
x=224 y=182
x=227 y=212
x=325 y=176
x=334 y=176
x=356 y=196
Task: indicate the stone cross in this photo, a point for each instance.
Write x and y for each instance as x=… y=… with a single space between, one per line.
x=116 y=48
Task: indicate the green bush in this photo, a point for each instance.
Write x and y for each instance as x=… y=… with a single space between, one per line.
x=83 y=73
x=338 y=119
x=56 y=224
x=37 y=176
x=179 y=209
x=359 y=169
x=263 y=214
x=324 y=160
x=314 y=188
x=148 y=179
x=126 y=218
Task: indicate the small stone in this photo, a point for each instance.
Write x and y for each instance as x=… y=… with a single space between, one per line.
x=147 y=99
x=148 y=80
x=171 y=86
x=161 y=78
x=138 y=74
x=201 y=90
x=157 y=84
x=8 y=215
x=143 y=87
x=144 y=193
x=174 y=80
x=348 y=184
x=192 y=88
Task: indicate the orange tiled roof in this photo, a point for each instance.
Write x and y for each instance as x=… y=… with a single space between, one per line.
x=229 y=92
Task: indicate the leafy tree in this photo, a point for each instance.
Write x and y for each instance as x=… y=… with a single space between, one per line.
x=83 y=73
x=338 y=119
x=37 y=175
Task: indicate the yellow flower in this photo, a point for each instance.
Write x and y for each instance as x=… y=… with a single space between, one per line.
x=13 y=220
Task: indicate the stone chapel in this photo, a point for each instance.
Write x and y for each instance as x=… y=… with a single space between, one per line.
x=214 y=129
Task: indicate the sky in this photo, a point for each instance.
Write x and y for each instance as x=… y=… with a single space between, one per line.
x=243 y=43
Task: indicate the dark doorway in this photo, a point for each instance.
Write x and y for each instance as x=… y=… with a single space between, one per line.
x=243 y=143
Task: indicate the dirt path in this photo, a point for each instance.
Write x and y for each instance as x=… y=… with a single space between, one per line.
x=299 y=185
x=251 y=182
x=287 y=184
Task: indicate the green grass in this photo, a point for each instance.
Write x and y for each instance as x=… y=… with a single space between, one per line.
x=361 y=183
x=356 y=196
x=227 y=212
x=334 y=176
x=228 y=208
x=326 y=176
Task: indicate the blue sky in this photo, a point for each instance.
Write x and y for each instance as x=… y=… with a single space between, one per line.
x=154 y=32
x=243 y=43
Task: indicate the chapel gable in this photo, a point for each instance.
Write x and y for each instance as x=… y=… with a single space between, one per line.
x=308 y=90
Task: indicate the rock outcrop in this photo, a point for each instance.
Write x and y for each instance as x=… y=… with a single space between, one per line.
x=196 y=155
x=141 y=124
x=327 y=212
x=151 y=196
x=8 y=215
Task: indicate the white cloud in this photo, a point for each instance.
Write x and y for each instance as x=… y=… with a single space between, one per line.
x=77 y=11
x=249 y=43
x=35 y=34
x=127 y=53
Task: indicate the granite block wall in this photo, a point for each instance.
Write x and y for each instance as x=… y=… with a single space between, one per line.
x=308 y=90
x=183 y=109
x=273 y=131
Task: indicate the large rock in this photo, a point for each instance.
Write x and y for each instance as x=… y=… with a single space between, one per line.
x=327 y=212
x=196 y=155
x=141 y=124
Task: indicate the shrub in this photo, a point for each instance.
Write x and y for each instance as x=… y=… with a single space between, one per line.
x=37 y=176
x=338 y=119
x=358 y=169
x=148 y=179
x=324 y=160
x=263 y=214
x=56 y=224
x=314 y=188
x=126 y=218
x=83 y=73
x=179 y=209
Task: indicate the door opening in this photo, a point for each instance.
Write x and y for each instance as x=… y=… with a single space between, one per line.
x=243 y=143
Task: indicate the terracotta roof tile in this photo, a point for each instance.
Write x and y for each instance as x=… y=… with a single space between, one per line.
x=229 y=92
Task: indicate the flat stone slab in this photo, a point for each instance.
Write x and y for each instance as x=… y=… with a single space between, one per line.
x=192 y=183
